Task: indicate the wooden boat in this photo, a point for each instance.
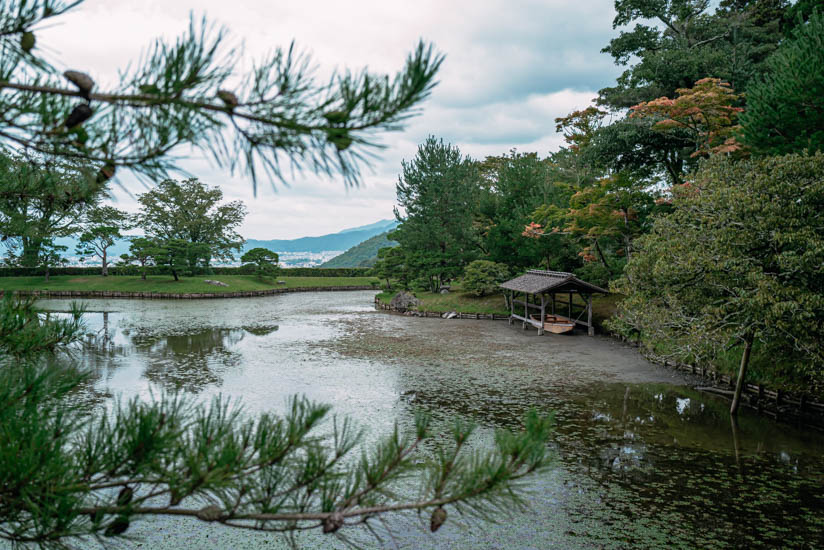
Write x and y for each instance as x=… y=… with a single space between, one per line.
x=555 y=324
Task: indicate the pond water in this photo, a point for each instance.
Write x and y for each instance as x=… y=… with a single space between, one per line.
x=643 y=461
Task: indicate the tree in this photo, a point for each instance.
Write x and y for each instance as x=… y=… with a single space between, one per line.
x=50 y=255
x=65 y=475
x=392 y=264
x=438 y=191
x=686 y=43
x=264 y=260
x=517 y=184
x=68 y=477
x=736 y=264
x=189 y=93
x=784 y=112
x=191 y=211
x=41 y=199
x=143 y=251
x=605 y=218
x=101 y=229
x=708 y=112
x=483 y=277
x=180 y=256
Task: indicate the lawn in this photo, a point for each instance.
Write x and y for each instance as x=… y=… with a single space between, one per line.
x=165 y=283
x=603 y=307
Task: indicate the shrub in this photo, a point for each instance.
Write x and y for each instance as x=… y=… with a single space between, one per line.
x=483 y=277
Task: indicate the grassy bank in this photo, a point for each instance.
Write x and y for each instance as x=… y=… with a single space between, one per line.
x=457 y=300
x=166 y=284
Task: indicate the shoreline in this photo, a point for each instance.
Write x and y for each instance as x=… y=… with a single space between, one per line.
x=177 y=295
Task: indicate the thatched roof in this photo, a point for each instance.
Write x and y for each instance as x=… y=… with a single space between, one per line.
x=536 y=282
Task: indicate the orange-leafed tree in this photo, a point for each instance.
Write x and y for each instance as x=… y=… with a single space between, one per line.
x=709 y=111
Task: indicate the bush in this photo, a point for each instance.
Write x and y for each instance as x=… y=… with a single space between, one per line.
x=484 y=277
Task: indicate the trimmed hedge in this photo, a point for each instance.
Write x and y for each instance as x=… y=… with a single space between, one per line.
x=154 y=270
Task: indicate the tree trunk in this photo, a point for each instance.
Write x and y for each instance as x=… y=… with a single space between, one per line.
x=46 y=277
x=174 y=274
x=742 y=373
x=601 y=254
x=31 y=252
x=105 y=264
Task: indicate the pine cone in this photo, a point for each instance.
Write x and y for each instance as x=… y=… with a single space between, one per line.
x=83 y=82
x=27 y=41
x=333 y=523
x=80 y=114
x=228 y=98
x=438 y=519
x=209 y=513
x=118 y=526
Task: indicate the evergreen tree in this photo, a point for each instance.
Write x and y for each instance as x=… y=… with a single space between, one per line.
x=784 y=108
x=101 y=229
x=438 y=192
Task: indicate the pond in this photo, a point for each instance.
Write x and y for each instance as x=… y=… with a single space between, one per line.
x=643 y=461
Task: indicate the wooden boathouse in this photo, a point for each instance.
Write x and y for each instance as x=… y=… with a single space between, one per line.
x=543 y=287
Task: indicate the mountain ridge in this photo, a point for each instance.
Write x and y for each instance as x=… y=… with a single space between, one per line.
x=342 y=240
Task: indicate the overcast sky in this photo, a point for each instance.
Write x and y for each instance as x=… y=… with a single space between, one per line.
x=511 y=67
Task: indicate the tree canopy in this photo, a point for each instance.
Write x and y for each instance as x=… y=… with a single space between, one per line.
x=784 y=108
x=737 y=262
x=191 y=211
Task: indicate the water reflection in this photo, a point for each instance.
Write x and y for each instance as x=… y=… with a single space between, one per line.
x=642 y=462
x=172 y=357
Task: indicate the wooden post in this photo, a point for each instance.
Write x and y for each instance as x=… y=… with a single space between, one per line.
x=570 y=304
x=543 y=314
x=553 y=303
x=526 y=310
x=511 y=306
x=590 y=328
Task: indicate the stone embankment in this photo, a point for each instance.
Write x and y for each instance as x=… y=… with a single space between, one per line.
x=179 y=296
x=443 y=315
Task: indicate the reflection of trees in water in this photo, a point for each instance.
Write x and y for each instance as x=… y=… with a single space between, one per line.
x=188 y=359
x=191 y=361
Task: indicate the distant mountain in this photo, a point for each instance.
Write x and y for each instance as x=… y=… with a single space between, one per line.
x=121 y=246
x=342 y=240
x=381 y=226
x=364 y=254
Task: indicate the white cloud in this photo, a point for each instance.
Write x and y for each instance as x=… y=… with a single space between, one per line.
x=511 y=69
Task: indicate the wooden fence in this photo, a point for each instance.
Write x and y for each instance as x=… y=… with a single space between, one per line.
x=777 y=404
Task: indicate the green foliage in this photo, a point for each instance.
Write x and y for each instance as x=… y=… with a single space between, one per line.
x=191 y=211
x=41 y=199
x=174 y=457
x=101 y=228
x=677 y=42
x=483 y=277
x=264 y=260
x=784 y=112
x=516 y=185
x=143 y=251
x=189 y=92
x=738 y=260
x=364 y=254
x=438 y=191
x=181 y=256
x=24 y=332
x=392 y=264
